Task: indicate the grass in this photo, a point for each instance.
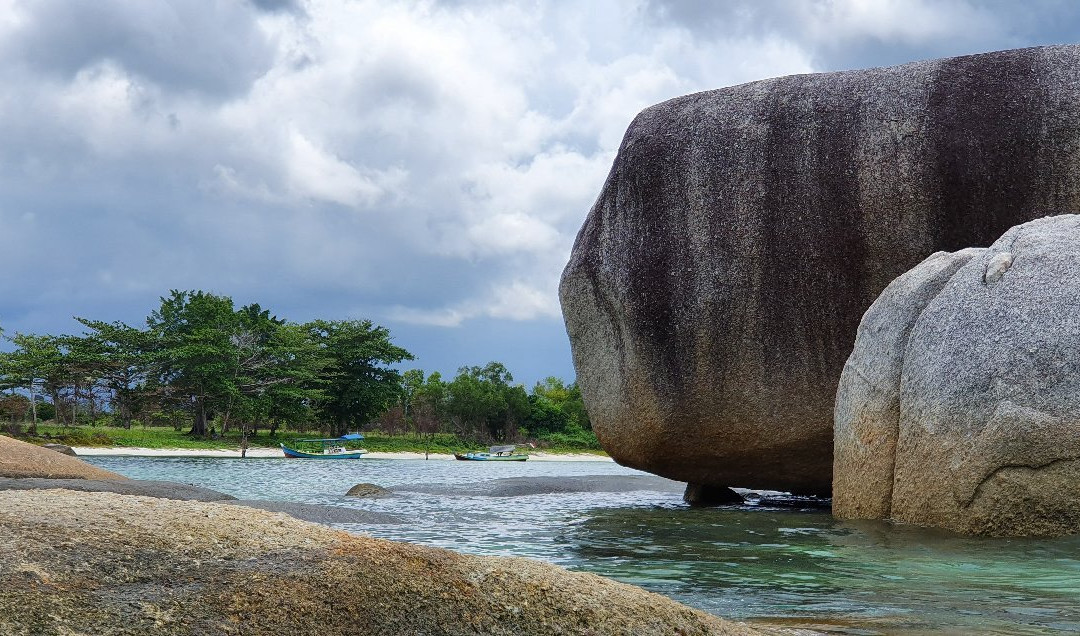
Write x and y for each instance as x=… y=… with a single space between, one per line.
x=375 y=441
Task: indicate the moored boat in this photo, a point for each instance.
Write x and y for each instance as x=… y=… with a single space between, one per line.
x=494 y=454
x=326 y=448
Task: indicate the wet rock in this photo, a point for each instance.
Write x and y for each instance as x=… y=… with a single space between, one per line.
x=368 y=490
x=93 y=563
x=143 y=487
x=959 y=407
x=703 y=496
x=61 y=448
x=714 y=291
x=19 y=459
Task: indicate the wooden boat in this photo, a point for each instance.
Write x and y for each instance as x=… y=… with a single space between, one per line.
x=327 y=448
x=494 y=454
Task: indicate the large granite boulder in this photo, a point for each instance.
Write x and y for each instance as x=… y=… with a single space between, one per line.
x=19 y=459
x=714 y=291
x=102 y=563
x=960 y=405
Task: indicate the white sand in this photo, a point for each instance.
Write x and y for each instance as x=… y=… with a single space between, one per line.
x=87 y=451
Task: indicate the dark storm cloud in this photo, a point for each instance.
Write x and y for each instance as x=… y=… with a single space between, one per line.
x=845 y=34
x=425 y=165
x=210 y=48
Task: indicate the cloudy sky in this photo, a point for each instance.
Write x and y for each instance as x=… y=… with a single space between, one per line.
x=422 y=164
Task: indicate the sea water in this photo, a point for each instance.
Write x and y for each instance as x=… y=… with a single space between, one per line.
x=779 y=566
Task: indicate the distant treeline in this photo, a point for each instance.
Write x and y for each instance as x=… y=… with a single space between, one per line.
x=203 y=363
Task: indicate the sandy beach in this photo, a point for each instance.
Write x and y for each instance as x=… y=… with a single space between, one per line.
x=87 y=451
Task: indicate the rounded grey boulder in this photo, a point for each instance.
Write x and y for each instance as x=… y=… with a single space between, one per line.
x=960 y=405
x=714 y=291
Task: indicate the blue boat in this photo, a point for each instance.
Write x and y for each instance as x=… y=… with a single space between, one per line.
x=494 y=454
x=326 y=448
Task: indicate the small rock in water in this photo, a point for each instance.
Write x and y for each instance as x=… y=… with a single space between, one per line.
x=368 y=490
x=703 y=495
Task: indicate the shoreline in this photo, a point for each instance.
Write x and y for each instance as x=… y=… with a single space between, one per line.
x=266 y=453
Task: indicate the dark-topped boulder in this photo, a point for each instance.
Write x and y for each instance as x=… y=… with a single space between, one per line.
x=960 y=406
x=19 y=459
x=102 y=563
x=714 y=291
x=61 y=448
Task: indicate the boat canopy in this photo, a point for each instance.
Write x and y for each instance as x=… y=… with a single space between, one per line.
x=501 y=449
x=352 y=436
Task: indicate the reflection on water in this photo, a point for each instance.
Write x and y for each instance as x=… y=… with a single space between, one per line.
x=782 y=566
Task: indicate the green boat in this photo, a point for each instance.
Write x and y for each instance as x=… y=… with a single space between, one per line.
x=493 y=454
x=326 y=448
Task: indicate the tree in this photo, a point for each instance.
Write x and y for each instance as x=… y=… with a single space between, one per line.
x=482 y=400
x=36 y=366
x=427 y=404
x=358 y=383
x=122 y=353
x=194 y=355
x=556 y=408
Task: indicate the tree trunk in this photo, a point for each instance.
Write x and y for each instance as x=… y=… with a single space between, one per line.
x=59 y=406
x=198 y=427
x=33 y=409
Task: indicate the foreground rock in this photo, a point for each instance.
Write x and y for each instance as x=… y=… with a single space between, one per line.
x=714 y=290
x=960 y=405
x=102 y=563
x=19 y=459
x=319 y=514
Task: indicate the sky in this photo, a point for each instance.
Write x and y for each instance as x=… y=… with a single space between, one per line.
x=425 y=165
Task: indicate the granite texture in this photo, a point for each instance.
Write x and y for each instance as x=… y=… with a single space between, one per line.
x=19 y=459
x=960 y=405
x=714 y=291
x=102 y=563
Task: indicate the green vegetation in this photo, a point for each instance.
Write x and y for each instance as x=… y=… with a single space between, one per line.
x=205 y=374
x=164 y=437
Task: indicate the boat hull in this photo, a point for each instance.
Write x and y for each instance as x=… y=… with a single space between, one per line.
x=473 y=457
x=295 y=454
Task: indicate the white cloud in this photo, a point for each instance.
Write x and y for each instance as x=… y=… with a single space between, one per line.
x=517 y=300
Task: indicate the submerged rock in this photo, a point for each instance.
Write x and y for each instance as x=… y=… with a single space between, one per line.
x=105 y=563
x=19 y=459
x=714 y=290
x=960 y=405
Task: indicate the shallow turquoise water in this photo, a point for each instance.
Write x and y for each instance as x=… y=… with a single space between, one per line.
x=781 y=566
